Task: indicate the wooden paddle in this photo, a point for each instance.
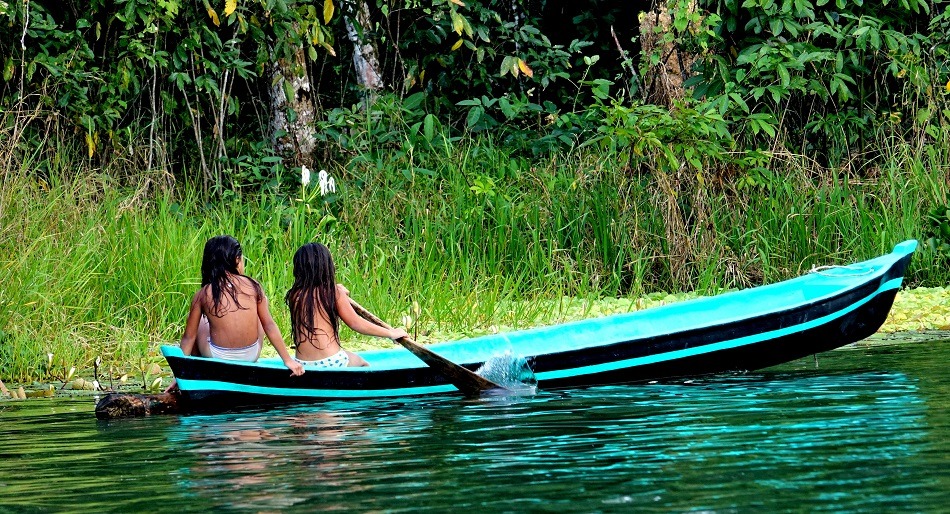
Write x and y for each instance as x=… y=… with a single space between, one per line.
x=466 y=380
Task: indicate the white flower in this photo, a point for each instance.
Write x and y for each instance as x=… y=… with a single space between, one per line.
x=327 y=184
x=305 y=176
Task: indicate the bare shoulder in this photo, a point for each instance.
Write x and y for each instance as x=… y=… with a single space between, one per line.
x=202 y=296
x=250 y=287
x=244 y=280
x=341 y=290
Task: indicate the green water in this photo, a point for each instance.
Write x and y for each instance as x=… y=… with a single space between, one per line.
x=867 y=431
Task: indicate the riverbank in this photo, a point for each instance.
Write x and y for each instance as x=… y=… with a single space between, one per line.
x=94 y=269
x=918 y=315
x=919 y=310
x=84 y=387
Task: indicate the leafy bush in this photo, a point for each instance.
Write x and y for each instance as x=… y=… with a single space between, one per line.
x=189 y=78
x=937 y=223
x=832 y=72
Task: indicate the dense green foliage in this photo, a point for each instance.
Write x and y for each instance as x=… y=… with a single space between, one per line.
x=149 y=81
x=833 y=72
x=167 y=83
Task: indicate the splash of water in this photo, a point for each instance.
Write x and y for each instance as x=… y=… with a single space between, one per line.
x=511 y=372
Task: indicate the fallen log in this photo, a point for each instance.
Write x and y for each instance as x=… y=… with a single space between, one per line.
x=128 y=405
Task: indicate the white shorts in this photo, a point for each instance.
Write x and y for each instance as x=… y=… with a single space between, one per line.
x=339 y=359
x=248 y=353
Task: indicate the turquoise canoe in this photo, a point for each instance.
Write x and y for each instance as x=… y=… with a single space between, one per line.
x=736 y=331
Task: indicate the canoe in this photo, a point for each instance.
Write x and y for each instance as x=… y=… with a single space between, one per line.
x=743 y=330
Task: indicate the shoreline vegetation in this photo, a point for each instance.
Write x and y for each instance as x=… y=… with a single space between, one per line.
x=920 y=315
x=94 y=270
x=490 y=172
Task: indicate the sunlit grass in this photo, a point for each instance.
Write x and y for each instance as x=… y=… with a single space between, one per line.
x=490 y=242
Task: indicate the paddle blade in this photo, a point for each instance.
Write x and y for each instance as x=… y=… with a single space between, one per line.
x=466 y=380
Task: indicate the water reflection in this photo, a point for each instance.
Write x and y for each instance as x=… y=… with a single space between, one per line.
x=867 y=431
x=739 y=439
x=303 y=456
x=233 y=463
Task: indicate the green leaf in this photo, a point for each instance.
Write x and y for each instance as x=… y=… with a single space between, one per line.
x=458 y=23
x=775 y=26
x=506 y=108
x=412 y=102
x=8 y=69
x=680 y=23
x=765 y=122
x=506 y=65
x=428 y=130
x=777 y=93
x=288 y=91
x=474 y=116
x=738 y=100
x=783 y=75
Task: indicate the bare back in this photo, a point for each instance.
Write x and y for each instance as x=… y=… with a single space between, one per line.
x=232 y=326
x=322 y=343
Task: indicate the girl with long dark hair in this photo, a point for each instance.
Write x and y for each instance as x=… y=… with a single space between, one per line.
x=317 y=304
x=229 y=315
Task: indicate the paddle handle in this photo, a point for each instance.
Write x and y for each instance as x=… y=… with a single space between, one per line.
x=466 y=380
x=372 y=317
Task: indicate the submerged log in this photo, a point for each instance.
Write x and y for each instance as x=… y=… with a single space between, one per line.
x=127 y=405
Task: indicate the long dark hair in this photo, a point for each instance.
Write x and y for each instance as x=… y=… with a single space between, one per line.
x=313 y=292
x=218 y=265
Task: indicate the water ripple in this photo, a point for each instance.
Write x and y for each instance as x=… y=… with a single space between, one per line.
x=867 y=432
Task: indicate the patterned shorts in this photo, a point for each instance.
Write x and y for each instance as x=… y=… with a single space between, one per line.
x=339 y=359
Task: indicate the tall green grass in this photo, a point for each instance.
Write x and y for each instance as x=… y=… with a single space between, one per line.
x=92 y=268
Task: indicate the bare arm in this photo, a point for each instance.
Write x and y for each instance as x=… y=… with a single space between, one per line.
x=191 y=325
x=273 y=335
x=357 y=323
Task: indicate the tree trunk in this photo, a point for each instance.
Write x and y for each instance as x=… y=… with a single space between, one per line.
x=293 y=111
x=365 y=60
x=664 y=81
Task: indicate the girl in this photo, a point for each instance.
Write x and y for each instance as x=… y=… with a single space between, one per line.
x=229 y=315
x=316 y=304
